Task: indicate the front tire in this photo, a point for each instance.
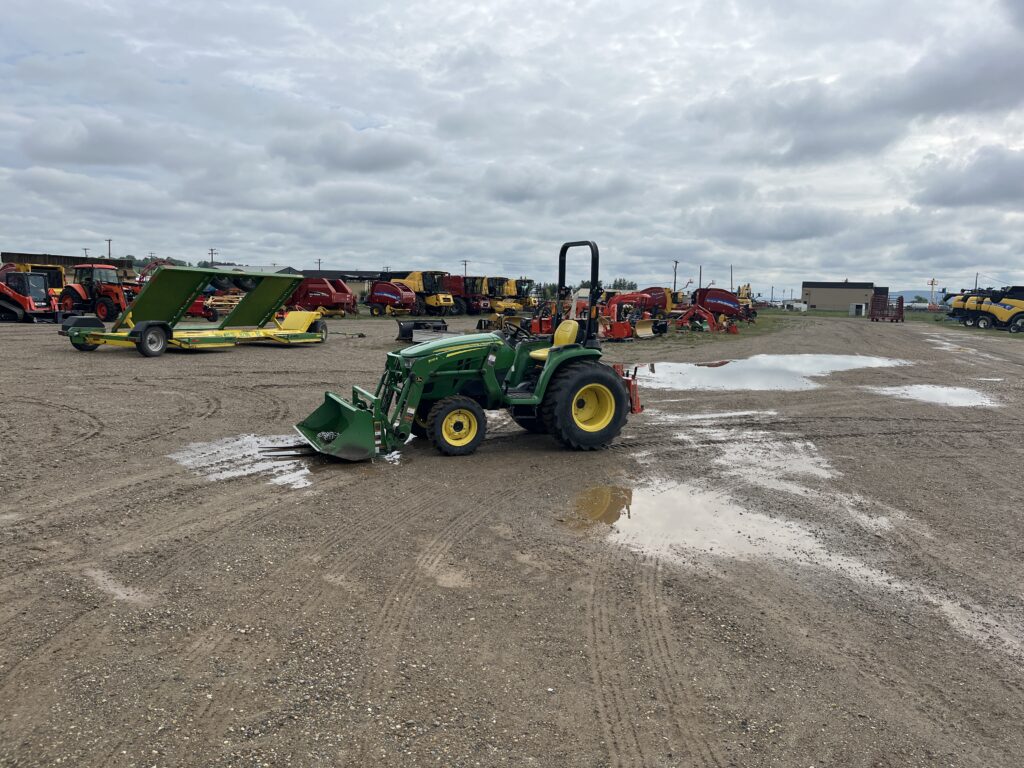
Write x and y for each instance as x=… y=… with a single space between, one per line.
x=585 y=406
x=153 y=342
x=456 y=425
x=984 y=322
x=105 y=309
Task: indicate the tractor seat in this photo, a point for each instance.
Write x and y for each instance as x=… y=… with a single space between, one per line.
x=566 y=333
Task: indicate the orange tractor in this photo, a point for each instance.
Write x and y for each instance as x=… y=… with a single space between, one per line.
x=97 y=288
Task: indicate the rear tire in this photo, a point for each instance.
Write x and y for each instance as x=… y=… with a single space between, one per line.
x=212 y=315
x=984 y=322
x=1016 y=325
x=970 y=322
x=376 y=310
x=420 y=307
x=585 y=406
x=68 y=302
x=456 y=425
x=153 y=342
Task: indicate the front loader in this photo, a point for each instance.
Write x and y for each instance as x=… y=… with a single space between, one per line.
x=440 y=390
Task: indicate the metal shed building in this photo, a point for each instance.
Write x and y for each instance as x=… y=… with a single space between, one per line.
x=836 y=296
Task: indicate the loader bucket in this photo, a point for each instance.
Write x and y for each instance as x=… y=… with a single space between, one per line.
x=340 y=429
x=644 y=329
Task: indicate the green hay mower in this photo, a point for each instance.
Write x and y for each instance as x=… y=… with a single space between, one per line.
x=554 y=384
x=150 y=323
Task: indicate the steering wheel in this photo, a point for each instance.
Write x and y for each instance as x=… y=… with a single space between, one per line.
x=516 y=333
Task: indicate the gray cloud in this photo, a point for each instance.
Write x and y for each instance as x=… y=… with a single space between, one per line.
x=991 y=176
x=794 y=140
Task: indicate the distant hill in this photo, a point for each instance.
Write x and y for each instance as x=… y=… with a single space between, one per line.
x=908 y=296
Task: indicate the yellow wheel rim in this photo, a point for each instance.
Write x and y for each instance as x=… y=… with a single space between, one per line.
x=593 y=407
x=459 y=427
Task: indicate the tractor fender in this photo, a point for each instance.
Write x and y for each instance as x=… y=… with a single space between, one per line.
x=77 y=289
x=136 y=332
x=559 y=357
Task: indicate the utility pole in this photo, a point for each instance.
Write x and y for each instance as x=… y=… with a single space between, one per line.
x=108 y=248
x=730 y=278
x=975 y=279
x=675 y=265
x=213 y=253
x=151 y=254
x=86 y=252
x=465 y=267
x=700 y=276
x=318 y=264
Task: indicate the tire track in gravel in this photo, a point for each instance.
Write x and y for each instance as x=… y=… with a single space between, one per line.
x=93 y=426
x=615 y=702
x=669 y=669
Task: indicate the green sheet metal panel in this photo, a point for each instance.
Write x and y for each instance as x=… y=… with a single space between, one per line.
x=261 y=303
x=168 y=294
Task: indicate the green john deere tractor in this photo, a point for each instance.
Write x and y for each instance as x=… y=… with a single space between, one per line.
x=553 y=384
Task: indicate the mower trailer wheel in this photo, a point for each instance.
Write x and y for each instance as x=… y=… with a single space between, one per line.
x=153 y=342
x=585 y=406
x=319 y=327
x=81 y=346
x=456 y=425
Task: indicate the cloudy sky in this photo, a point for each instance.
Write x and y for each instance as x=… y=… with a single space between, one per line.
x=795 y=139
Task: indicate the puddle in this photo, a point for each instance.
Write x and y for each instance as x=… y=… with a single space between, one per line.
x=957 y=397
x=117 y=590
x=242 y=456
x=760 y=372
x=680 y=521
x=683 y=523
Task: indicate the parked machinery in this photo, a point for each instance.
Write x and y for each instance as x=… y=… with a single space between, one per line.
x=990 y=308
x=503 y=295
x=441 y=389
x=24 y=296
x=97 y=288
x=524 y=293
x=328 y=296
x=54 y=276
x=468 y=294
x=151 y=324
x=387 y=297
x=432 y=298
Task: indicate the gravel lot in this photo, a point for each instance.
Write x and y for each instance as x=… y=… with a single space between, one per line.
x=825 y=576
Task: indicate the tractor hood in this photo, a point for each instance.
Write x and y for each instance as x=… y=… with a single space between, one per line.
x=445 y=345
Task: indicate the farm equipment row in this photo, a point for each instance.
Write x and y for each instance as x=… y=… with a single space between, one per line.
x=1001 y=308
